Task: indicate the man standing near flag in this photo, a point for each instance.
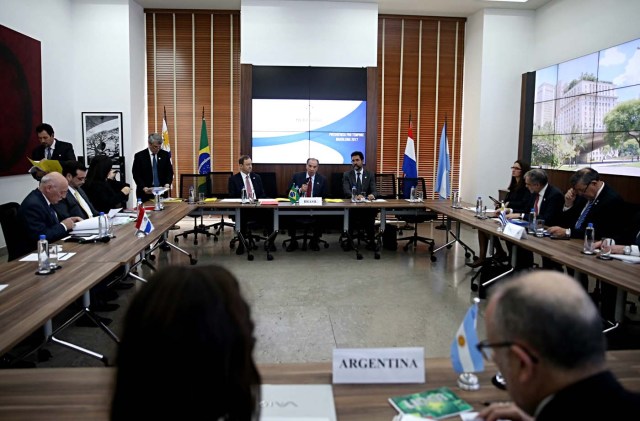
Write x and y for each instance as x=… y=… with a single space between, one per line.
x=545 y=335
x=152 y=168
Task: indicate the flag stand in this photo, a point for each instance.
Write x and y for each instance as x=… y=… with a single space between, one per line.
x=468 y=381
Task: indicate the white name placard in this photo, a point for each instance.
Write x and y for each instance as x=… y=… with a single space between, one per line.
x=378 y=365
x=515 y=231
x=307 y=201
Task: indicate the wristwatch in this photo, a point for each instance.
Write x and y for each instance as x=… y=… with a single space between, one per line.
x=568 y=232
x=627 y=250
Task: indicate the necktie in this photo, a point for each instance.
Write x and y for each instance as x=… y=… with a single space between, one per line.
x=53 y=214
x=249 y=189
x=358 y=182
x=82 y=204
x=49 y=152
x=535 y=205
x=156 y=180
x=583 y=215
x=310 y=188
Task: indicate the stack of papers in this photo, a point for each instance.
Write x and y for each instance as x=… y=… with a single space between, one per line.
x=625 y=258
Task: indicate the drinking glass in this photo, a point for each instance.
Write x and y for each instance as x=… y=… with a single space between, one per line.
x=419 y=196
x=539 y=227
x=200 y=197
x=605 y=248
x=53 y=257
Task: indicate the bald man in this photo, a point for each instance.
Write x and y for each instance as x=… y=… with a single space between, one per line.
x=37 y=215
x=545 y=335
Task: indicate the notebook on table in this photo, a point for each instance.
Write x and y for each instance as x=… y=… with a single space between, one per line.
x=302 y=402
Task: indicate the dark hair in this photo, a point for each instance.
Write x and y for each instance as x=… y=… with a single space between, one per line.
x=515 y=185
x=243 y=158
x=360 y=154
x=186 y=350
x=46 y=127
x=315 y=159
x=72 y=167
x=584 y=176
x=99 y=168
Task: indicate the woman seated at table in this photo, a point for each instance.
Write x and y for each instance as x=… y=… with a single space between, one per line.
x=516 y=201
x=186 y=350
x=104 y=191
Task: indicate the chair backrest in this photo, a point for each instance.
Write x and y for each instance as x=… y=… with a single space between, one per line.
x=386 y=186
x=269 y=183
x=405 y=184
x=13 y=231
x=219 y=182
x=200 y=183
x=335 y=190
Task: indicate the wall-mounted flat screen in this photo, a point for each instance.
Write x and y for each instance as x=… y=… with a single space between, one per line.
x=587 y=112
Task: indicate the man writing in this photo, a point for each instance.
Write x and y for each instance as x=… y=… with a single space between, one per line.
x=152 y=168
x=76 y=203
x=309 y=184
x=545 y=336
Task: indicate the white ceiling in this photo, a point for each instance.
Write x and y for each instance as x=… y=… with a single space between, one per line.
x=458 y=8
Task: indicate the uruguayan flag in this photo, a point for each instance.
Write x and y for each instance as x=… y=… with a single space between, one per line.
x=465 y=357
x=503 y=219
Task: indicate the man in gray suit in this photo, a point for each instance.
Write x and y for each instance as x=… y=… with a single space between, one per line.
x=76 y=202
x=365 y=183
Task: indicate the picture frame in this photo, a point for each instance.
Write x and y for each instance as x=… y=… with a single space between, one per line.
x=102 y=135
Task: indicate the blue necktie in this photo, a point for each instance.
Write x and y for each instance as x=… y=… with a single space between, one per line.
x=583 y=215
x=156 y=180
x=53 y=214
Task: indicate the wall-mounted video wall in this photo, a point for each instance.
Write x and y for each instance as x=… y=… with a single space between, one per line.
x=302 y=112
x=587 y=112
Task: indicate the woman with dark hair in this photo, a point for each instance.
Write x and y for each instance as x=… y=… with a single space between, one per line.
x=515 y=201
x=186 y=350
x=104 y=191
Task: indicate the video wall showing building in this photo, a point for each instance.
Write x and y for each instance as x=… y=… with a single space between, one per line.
x=587 y=112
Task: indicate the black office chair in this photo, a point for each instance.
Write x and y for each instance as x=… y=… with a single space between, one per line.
x=200 y=184
x=421 y=215
x=219 y=184
x=13 y=231
x=386 y=186
x=307 y=225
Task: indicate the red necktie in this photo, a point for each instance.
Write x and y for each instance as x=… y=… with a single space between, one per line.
x=310 y=188
x=535 y=205
x=249 y=189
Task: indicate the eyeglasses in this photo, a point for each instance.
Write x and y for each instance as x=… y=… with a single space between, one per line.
x=516 y=168
x=486 y=349
x=583 y=191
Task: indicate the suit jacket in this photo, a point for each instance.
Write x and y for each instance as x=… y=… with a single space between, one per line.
x=236 y=184
x=368 y=182
x=142 y=171
x=518 y=200
x=63 y=151
x=600 y=396
x=106 y=195
x=320 y=185
x=550 y=208
x=37 y=218
x=602 y=214
x=69 y=206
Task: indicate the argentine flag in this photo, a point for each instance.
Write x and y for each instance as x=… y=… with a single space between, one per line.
x=465 y=357
x=442 y=180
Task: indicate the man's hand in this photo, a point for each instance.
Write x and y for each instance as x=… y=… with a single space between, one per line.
x=557 y=231
x=503 y=411
x=569 y=198
x=126 y=189
x=148 y=190
x=70 y=222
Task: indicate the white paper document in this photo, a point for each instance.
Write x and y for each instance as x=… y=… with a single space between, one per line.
x=625 y=258
x=3 y=286
x=86 y=226
x=300 y=402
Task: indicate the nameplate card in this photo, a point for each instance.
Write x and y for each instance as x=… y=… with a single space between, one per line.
x=515 y=231
x=310 y=201
x=378 y=365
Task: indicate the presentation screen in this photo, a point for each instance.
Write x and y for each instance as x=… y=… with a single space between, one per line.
x=288 y=131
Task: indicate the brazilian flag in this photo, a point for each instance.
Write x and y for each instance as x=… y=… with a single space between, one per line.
x=204 y=158
x=294 y=196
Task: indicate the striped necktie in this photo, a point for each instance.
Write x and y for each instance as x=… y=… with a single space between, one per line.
x=583 y=215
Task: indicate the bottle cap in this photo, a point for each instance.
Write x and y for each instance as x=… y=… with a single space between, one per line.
x=590 y=225
x=43 y=237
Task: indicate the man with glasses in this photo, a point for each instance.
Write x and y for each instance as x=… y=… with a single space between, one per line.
x=545 y=336
x=76 y=203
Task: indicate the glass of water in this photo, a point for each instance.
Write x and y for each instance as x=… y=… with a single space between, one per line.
x=200 y=197
x=539 y=227
x=419 y=196
x=53 y=256
x=605 y=248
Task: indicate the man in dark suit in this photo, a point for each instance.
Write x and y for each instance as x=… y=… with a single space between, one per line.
x=309 y=184
x=37 y=215
x=76 y=203
x=365 y=183
x=590 y=200
x=252 y=183
x=545 y=336
x=152 y=168
x=49 y=148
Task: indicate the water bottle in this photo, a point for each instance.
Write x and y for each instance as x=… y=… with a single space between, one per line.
x=478 y=206
x=354 y=193
x=532 y=222
x=103 y=225
x=243 y=195
x=589 y=236
x=191 y=195
x=43 y=255
x=139 y=204
x=412 y=195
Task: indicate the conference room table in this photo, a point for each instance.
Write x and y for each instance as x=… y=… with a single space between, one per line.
x=85 y=393
x=29 y=300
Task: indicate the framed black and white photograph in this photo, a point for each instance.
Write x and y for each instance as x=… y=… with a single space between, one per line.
x=102 y=135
